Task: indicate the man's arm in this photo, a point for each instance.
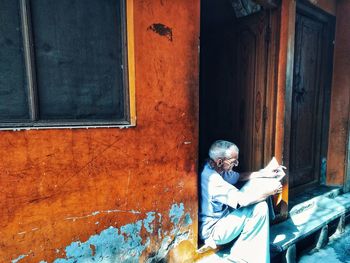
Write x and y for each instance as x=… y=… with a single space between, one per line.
x=263 y=173
x=254 y=194
x=245 y=176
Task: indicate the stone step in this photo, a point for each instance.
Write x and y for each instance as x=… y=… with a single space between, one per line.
x=309 y=217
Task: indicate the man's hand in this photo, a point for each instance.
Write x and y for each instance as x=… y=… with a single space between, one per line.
x=272 y=170
x=279 y=172
x=275 y=172
x=276 y=187
x=257 y=190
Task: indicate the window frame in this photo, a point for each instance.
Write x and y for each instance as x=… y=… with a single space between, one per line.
x=128 y=62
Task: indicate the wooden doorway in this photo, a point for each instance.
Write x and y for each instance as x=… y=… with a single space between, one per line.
x=238 y=81
x=237 y=94
x=255 y=61
x=314 y=33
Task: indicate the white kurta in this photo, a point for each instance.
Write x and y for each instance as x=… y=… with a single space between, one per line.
x=221 y=221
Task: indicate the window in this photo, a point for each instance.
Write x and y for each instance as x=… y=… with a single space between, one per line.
x=64 y=63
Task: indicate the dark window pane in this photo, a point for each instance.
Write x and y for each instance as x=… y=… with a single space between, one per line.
x=78 y=52
x=13 y=87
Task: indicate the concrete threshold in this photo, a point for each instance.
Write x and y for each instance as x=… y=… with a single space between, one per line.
x=305 y=219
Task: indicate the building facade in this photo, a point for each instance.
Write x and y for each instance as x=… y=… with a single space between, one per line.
x=81 y=183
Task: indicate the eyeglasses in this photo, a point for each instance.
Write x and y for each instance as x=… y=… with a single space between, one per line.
x=232 y=162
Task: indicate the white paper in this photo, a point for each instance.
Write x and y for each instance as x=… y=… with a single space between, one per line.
x=256 y=186
x=274 y=166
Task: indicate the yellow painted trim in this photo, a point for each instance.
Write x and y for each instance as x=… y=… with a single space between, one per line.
x=131 y=59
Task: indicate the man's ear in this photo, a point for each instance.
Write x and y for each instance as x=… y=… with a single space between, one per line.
x=219 y=163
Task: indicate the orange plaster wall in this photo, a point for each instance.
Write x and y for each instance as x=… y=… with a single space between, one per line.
x=340 y=97
x=60 y=186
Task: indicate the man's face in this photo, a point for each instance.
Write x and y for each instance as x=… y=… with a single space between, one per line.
x=230 y=162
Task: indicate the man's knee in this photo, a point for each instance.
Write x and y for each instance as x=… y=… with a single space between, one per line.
x=261 y=209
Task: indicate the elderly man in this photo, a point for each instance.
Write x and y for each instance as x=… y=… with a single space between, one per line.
x=228 y=213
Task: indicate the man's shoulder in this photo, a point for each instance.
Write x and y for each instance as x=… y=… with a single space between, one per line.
x=208 y=171
x=209 y=174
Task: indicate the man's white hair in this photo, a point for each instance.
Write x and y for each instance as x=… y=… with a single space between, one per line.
x=221 y=149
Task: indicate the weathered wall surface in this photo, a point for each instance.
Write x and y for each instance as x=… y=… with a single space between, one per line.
x=114 y=194
x=338 y=132
x=327 y=5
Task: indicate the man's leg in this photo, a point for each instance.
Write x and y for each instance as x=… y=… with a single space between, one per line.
x=251 y=224
x=253 y=244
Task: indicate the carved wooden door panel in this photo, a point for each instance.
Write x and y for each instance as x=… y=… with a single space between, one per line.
x=250 y=73
x=308 y=101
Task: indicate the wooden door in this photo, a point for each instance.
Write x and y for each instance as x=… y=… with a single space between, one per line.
x=237 y=82
x=255 y=87
x=309 y=101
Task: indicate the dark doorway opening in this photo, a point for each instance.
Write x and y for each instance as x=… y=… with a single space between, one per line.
x=216 y=75
x=237 y=79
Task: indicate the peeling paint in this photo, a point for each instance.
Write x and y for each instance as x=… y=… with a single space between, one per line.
x=126 y=244
x=73 y=218
x=188 y=220
x=21 y=257
x=24 y=232
x=148 y=220
x=18 y=259
x=160 y=223
x=111 y=245
x=167 y=244
x=177 y=235
x=161 y=253
x=176 y=212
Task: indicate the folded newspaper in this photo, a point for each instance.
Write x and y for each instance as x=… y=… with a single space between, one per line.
x=267 y=180
x=276 y=168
